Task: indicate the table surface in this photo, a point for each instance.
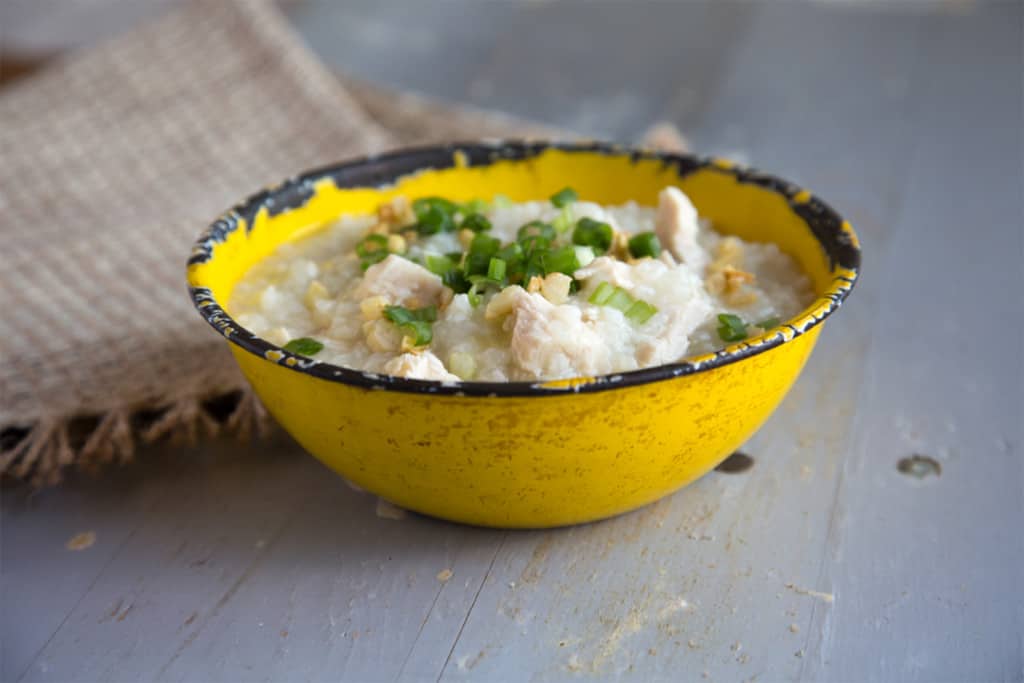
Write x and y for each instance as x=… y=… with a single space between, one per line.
x=823 y=561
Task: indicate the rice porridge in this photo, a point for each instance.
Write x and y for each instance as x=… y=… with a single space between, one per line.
x=501 y=291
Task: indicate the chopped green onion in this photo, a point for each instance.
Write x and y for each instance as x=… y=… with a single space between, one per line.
x=475 y=206
x=304 y=346
x=534 y=237
x=500 y=201
x=731 y=327
x=593 y=234
x=496 y=269
x=481 y=249
x=563 y=221
x=423 y=205
x=419 y=331
x=401 y=315
x=644 y=244
x=456 y=280
x=434 y=220
x=620 y=300
x=439 y=265
x=769 y=323
x=640 y=312
x=534 y=267
x=634 y=310
x=413 y=322
x=536 y=229
x=564 y=197
x=455 y=256
x=372 y=244
x=601 y=294
x=560 y=261
x=477 y=222
x=484 y=244
x=372 y=249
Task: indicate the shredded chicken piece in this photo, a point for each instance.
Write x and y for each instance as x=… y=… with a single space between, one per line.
x=607 y=269
x=420 y=365
x=549 y=340
x=400 y=281
x=676 y=226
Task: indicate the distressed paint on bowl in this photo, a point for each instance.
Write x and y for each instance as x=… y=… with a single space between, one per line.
x=525 y=454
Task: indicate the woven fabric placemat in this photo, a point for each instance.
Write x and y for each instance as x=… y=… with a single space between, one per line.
x=113 y=161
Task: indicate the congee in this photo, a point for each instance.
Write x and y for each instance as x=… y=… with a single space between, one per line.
x=502 y=291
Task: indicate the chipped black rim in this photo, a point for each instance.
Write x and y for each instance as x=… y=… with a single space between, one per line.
x=832 y=232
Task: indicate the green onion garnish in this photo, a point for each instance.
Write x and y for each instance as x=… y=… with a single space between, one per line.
x=481 y=249
x=456 y=280
x=635 y=310
x=439 y=265
x=434 y=220
x=536 y=229
x=564 y=197
x=563 y=221
x=640 y=312
x=593 y=234
x=645 y=244
x=535 y=236
x=620 y=300
x=769 y=323
x=413 y=322
x=423 y=205
x=496 y=269
x=419 y=331
x=304 y=346
x=372 y=249
x=474 y=206
x=562 y=260
x=601 y=294
x=477 y=222
x=512 y=255
x=731 y=327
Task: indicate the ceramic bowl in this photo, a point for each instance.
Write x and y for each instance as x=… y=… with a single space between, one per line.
x=528 y=454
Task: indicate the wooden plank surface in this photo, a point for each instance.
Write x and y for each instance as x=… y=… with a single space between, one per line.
x=821 y=562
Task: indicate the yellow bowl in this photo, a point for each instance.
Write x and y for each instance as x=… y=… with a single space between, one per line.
x=528 y=454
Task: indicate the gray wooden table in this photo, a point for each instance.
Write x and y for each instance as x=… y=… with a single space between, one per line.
x=824 y=561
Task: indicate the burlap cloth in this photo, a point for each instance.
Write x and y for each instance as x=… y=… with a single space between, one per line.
x=111 y=162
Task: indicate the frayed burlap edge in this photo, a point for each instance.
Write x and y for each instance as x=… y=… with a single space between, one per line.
x=40 y=453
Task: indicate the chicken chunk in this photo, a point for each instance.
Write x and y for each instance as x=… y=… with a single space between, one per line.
x=422 y=365
x=606 y=269
x=676 y=227
x=674 y=340
x=551 y=341
x=400 y=281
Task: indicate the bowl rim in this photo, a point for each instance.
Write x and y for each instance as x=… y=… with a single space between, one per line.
x=832 y=232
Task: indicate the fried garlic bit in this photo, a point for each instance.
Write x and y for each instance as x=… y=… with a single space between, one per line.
x=726 y=278
x=392 y=217
x=620 y=246
x=396 y=213
x=397 y=244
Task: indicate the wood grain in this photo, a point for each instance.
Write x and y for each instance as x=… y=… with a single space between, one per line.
x=821 y=562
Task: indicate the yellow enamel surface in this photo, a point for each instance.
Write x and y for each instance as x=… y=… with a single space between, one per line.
x=540 y=460
x=531 y=461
